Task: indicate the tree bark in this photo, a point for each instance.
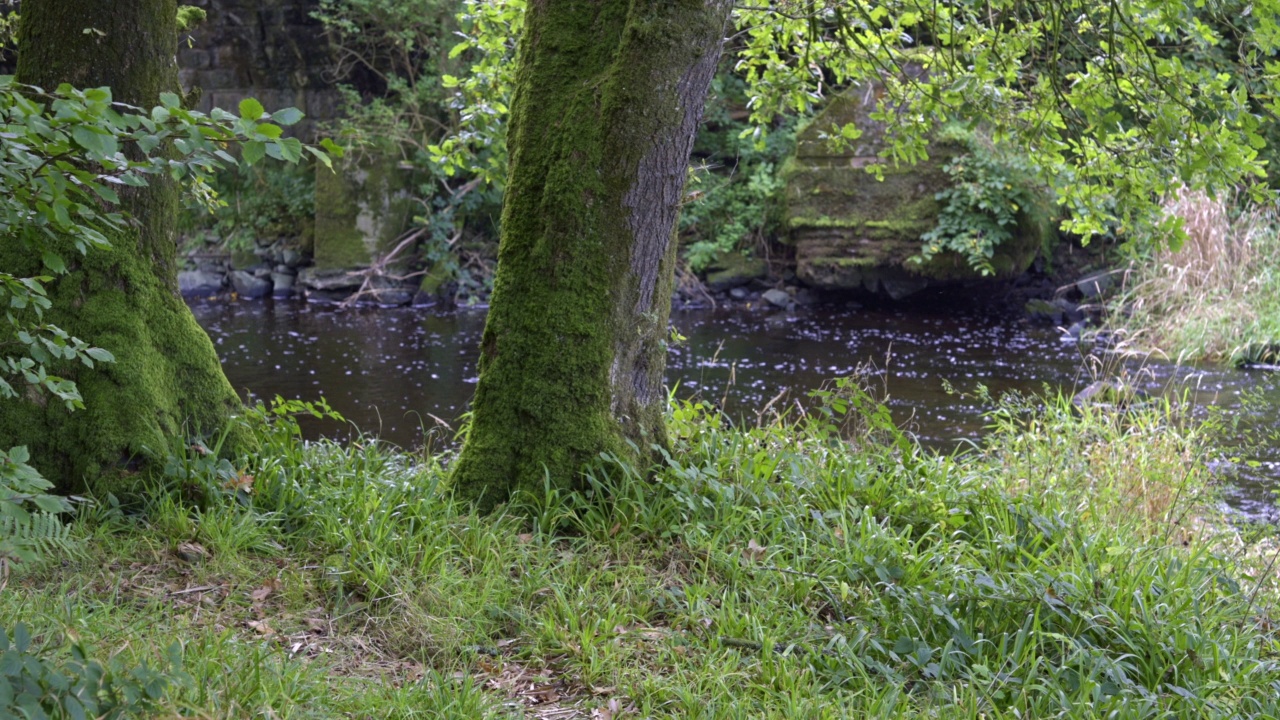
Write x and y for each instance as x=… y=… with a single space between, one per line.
x=167 y=381
x=609 y=94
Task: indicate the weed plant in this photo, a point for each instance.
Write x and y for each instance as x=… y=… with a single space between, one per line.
x=1218 y=297
x=820 y=566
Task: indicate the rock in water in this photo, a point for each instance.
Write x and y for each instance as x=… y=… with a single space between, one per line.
x=248 y=286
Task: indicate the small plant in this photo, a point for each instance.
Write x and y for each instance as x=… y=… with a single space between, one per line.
x=1215 y=298
x=26 y=535
x=990 y=188
x=37 y=688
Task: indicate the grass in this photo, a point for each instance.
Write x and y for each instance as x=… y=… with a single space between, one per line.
x=1218 y=298
x=822 y=567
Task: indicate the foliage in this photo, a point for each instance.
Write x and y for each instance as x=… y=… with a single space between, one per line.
x=8 y=26
x=26 y=536
x=401 y=97
x=35 y=687
x=991 y=189
x=66 y=152
x=393 y=49
x=735 y=192
x=1102 y=97
x=1216 y=299
x=481 y=96
x=265 y=200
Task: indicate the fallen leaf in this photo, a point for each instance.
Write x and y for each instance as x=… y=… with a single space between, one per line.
x=506 y=642
x=191 y=552
x=525 y=538
x=242 y=482
x=754 y=551
x=261 y=627
x=261 y=593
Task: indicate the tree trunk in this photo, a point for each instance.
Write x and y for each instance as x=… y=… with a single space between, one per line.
x=167 y=381
x=609 y=94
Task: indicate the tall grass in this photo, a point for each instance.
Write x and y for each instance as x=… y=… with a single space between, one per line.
x=1218 y=297
x=815 y=567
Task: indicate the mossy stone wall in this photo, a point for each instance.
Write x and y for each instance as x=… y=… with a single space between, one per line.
x=362 y=208
x=272 y=50
x=855 y=232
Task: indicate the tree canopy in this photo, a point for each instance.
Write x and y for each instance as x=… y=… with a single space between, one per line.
x=1117 y=102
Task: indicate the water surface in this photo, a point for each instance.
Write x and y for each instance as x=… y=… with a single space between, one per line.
x=399 y=372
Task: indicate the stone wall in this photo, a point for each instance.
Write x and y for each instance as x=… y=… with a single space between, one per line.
x=854 y=232
x=272 y=50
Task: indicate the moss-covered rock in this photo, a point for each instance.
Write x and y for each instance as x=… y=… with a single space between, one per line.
x=853 y=231
x=735 y=269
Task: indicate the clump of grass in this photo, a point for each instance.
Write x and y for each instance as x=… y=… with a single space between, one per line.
x=783 y=571
x=1218 y=297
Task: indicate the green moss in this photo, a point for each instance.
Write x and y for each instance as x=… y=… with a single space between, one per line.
x=362 y=207
x=189 y=17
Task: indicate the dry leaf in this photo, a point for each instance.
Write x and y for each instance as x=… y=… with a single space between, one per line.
x=261 y=627
x=261 y=593
x=242 y=482
x=191 y=552
x=754 y=551
x=525 y=537
x=506 y=642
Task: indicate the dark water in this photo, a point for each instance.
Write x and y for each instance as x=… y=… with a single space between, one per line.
x=393 y=372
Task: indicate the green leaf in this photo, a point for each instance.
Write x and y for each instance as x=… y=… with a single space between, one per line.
x=321 y=156
x=291 y=148
x=51 y=503
x=251 y=109
x=253 y=151
x=269 y=130
x=287 y=116
x=333 y=148
x=100 y=355
x=54 y=262
x=170 y=100
x=94 y=140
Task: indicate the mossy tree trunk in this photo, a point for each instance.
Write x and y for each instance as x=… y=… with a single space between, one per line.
x=167 y=380
x=609 y=94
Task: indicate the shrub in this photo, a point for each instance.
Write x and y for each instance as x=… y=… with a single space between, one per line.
x=35 y=687
x=992 y=188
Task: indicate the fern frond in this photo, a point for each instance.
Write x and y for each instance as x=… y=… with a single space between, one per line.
x=34 y=537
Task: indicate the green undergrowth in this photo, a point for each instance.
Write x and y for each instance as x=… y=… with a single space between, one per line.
x=819 y=567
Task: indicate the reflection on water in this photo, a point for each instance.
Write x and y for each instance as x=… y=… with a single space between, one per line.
x=394 y=371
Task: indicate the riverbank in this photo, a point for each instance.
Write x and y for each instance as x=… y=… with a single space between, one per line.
x=822 y=567
x=1218 y=298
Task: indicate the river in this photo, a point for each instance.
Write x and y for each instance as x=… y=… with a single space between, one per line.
x=399 y=372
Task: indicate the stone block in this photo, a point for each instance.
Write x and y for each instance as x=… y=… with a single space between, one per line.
x=362 y=208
